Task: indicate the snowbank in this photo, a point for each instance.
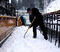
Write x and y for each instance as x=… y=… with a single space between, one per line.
x=53 y=6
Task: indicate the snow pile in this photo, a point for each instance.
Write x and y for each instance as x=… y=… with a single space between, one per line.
x=53 y=6
x=16 y=42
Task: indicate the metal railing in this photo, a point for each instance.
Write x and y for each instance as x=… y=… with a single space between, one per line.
x=52 y=23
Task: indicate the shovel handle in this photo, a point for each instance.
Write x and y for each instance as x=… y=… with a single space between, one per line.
x=29 y=26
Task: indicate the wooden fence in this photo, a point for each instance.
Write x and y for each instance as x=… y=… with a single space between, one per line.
x=7 y=24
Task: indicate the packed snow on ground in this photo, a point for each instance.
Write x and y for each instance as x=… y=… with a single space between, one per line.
x=17 y=43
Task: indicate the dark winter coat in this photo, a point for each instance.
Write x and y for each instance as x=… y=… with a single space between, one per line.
x=39 y=17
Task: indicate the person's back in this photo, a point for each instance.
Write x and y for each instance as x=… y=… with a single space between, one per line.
x=39 y=19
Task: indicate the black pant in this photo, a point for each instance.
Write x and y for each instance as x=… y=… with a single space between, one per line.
x=34 y=32
x=42 y=26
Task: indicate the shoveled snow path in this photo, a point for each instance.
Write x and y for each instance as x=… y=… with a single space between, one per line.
x=16 y=42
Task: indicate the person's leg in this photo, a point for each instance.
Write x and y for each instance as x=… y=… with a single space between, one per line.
x=34 y=32
x=42 y=26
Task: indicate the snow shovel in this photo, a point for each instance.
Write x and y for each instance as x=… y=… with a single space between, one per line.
x=29 y=26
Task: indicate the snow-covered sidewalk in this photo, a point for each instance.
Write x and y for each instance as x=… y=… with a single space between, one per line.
x=16 y=42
